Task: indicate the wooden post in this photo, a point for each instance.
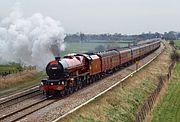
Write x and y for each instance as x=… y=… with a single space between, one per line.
x=137 y=65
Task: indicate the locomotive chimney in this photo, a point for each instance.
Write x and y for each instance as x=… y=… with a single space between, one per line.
x=57 y=58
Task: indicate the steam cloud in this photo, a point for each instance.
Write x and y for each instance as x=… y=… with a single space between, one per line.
x=33 y=40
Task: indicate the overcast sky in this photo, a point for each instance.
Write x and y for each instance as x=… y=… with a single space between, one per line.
x=104 y=16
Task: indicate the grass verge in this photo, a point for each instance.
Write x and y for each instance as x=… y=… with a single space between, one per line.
x=21 y=81
x=168 y=109
x=122 y=102
x=177 y=43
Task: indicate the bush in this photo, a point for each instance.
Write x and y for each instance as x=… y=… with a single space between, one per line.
x=175 y=56
x=171 y=43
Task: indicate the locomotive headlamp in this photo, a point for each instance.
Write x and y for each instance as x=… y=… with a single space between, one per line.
x=51 y=83
x=41 y=83
x=62 y=82
x=59 y=83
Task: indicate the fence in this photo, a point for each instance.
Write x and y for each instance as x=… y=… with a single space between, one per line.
x=146 y=108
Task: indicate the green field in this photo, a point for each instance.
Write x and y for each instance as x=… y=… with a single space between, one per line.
x=177 y=43
x=168 y=110
x=85 y=47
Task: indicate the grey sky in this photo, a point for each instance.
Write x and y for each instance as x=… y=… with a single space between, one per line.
x=104 y=16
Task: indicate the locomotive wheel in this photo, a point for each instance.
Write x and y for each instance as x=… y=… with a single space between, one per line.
x=62 y=93
x=88 y=81
x=71 y=90
x=47 y=94
x=43 y=92
x=84 y=83
x=75 y=88
x=94 y=78
x=66 y=91
x=99 y=77
x=80 y=85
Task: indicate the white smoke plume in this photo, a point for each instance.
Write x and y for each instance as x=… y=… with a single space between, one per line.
x=33 y=40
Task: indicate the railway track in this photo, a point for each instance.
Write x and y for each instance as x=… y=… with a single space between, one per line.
x=18 y=94
x=9 y=102
x=26 y=110
x=19 y=98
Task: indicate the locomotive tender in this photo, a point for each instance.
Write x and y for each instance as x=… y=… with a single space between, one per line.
x=72 y=72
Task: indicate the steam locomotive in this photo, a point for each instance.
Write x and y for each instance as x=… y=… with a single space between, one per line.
x=75 y=71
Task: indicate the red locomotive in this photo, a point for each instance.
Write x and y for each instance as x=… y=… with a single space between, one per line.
x=72 y=72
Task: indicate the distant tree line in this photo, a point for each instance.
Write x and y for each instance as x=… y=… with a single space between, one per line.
x=81 y=37
x=171 y=35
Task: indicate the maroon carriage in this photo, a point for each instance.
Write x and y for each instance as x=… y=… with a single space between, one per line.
x=109 y=60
